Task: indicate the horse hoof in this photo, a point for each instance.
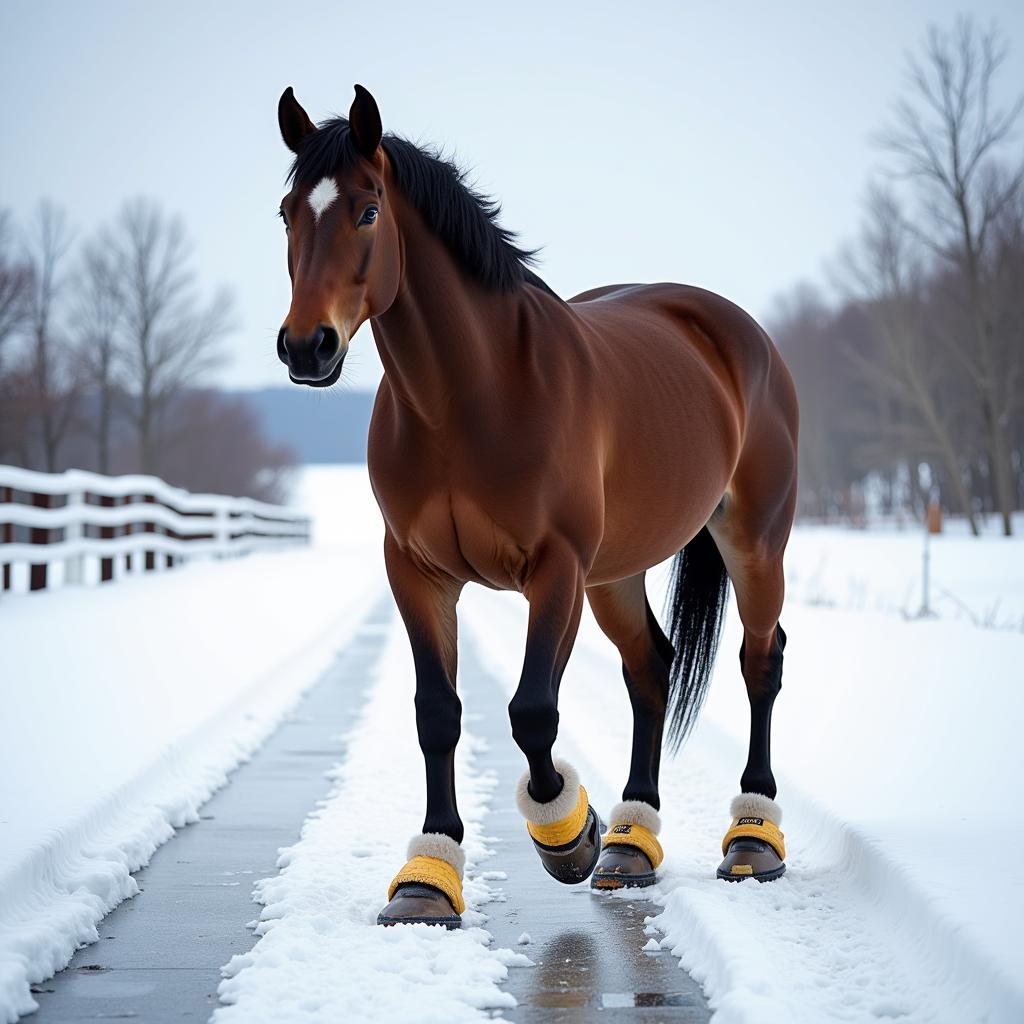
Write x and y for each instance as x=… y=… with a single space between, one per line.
x=632 y=853
x=623 y=867
x=751 y=858
x=415 y=903
x=754 y=846
x=574 y=862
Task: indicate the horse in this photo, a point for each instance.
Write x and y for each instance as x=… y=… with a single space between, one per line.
x=556 y=448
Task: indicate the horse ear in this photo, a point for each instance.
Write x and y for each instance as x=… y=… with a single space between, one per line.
x=293 y=120
x=364 y=123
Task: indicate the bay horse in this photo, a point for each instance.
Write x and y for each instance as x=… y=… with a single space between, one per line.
x=559 y=449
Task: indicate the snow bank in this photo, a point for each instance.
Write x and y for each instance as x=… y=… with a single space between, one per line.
x=321 y=956
x=123 y=708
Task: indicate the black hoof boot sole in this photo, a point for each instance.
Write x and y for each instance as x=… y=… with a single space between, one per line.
x=574 y=862
x=751 y=858
x=415 y=903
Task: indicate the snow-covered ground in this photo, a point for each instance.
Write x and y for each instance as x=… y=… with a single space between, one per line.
x=978 y=581
x=894 y=744
x=123 y=708
x=318 y=931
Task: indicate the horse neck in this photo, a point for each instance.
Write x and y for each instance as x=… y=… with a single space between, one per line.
x=446 y=338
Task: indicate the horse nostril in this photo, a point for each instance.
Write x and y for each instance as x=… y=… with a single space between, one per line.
x=329 y=343
x=282 y=345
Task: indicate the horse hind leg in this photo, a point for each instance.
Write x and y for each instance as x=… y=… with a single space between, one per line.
x=632 y=852
x=754 y=845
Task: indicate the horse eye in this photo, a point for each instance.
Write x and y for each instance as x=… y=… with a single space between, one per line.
x=287 y=226
x=369 y=215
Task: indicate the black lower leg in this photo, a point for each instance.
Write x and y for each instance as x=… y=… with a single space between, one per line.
x=556 y=601
x=763 y=676
x=533 y=712
x=438 y=723
x=648 y=685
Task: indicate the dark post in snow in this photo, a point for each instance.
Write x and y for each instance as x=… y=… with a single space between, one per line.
x=39 y=535
x=7 y=537
x=107 y=533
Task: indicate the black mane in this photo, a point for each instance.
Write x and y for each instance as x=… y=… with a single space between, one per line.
x=464 y=219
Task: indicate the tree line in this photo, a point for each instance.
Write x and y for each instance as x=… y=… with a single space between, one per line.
x=911 y=384
x=104 y=345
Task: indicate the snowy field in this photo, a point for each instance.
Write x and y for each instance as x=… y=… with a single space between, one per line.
x=894 y=740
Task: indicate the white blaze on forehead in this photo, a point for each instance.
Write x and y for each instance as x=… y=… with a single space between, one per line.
x=322 y=196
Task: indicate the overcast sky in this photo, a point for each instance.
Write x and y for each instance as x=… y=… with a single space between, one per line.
x=725 y=145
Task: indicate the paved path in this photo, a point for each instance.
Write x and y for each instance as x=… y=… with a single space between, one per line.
x=587 y=947
x=159 y=955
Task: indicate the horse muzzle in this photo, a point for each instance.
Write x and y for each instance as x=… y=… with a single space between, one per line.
x=316 y=360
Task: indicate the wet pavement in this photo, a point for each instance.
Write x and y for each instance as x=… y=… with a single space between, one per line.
x=159 y=955
x=587 y=947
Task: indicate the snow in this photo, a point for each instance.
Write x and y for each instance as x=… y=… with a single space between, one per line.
x=892 y=743
x=125 y=707
x=980 y=581
x=318 y=921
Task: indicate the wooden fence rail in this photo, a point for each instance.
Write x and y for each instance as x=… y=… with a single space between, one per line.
x=77 y=527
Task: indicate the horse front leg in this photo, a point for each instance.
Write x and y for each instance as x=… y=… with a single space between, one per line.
x=428 y=889
x=564 y=828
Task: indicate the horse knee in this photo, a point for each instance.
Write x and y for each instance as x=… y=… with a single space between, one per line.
x=534 y=719
x=438 y=721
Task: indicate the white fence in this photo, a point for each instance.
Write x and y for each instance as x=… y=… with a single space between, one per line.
x=77 y=527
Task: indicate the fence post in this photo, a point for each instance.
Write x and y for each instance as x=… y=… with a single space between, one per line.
x=149 y=557
x=126 y=531
x=6 y=537
x=38 y=535
x=222 y=530
x=107 y=533
x=74 y=565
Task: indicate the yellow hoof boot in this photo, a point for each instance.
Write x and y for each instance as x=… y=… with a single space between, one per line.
x=754 y=846
x=428 y=890
x=632 y=853
x=566 y=831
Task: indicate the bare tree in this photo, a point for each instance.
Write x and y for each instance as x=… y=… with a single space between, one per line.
x=903 y=364
x=15 y=282
x=99 y=318
x=52 y=376
x=215 y=442
x=15 y=288
x=949 y=137
x=171 y=338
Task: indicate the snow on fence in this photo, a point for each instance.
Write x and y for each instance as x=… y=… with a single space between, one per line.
x=79 y=527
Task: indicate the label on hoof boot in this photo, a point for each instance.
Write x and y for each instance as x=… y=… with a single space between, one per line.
x=741 y=869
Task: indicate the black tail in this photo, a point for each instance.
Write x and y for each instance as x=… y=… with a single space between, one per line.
x=696 y=608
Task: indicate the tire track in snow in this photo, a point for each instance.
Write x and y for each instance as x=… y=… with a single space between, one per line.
x=826 y=942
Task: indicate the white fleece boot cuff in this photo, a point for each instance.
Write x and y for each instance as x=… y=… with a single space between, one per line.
x=635 y=812
x=554 y=810
x=437 y=844
x=756 y=805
